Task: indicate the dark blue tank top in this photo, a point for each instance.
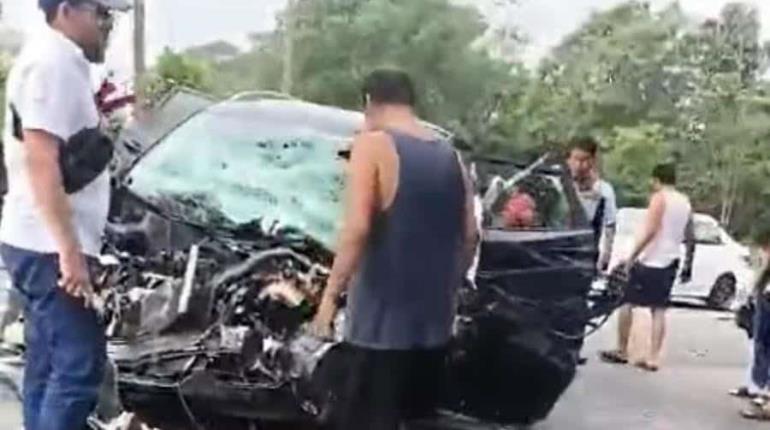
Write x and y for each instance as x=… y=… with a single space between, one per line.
x=403 y=296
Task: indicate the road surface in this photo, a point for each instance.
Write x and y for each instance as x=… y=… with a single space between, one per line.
x=706 y=356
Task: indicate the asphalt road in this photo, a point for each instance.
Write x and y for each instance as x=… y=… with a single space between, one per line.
x=706 y=356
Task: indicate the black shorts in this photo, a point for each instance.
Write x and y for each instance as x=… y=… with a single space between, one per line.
x=383 y=389
x=651 y=286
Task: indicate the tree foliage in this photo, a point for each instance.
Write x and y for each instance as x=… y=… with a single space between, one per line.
x=175 y=70
x=335 y=43
x=652 y=85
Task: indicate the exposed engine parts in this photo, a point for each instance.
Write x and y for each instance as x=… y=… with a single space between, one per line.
x=227 y=310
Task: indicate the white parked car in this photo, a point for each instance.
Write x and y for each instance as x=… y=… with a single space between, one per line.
x=721 y=273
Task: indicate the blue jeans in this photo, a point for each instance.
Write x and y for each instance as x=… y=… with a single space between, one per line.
x=760 y=369
x=65 y=345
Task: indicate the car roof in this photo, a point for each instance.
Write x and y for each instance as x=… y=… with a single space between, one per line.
x=299 y=112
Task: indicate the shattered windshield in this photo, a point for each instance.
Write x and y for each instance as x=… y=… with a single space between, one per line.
x=274 y=162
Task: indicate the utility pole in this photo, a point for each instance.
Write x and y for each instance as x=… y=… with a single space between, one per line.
x=140 y=67
x=290 y=24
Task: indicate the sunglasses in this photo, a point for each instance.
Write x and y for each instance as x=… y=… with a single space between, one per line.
x=102 y=14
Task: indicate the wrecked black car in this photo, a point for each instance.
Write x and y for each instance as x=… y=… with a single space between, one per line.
x=220 y=243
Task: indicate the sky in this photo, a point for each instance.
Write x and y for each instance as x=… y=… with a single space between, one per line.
x=179 y=24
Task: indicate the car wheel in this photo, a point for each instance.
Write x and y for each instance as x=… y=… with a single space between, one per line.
x=723 y=292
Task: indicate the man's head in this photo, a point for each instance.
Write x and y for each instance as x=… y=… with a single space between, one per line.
x=582 y=158
x=663 y=175
x=387 y=90
x=88 y=23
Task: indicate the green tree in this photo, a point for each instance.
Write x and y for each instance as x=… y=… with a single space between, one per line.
x=726 y=118
x=335 y=43
x=615 y=71
x=258 y=69
x=175 y=70
x=636 y=151
x=653 y=88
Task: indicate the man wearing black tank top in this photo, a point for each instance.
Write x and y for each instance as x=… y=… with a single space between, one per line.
x=408 y=237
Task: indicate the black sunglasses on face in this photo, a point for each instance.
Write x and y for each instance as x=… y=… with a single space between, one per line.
x=102 y=13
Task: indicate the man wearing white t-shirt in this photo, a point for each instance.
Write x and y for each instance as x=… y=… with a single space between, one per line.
x=51 y=229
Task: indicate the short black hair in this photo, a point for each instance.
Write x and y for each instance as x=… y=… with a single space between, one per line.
x=586 y=144
x=665 y=173
x=389 y=86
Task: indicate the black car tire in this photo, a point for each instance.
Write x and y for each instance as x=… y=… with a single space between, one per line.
x=723 y=292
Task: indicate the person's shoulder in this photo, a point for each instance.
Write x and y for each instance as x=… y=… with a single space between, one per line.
x=374 y=136
x=42 y=49
x=658 y=197
x=39 y=62
x=371 y=144
x=371 y=140
x=606 y=188
x=53 y=53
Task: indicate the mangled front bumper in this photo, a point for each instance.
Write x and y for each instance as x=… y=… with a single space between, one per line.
x=518 y=338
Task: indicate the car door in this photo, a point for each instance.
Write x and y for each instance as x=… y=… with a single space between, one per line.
x=520 y=330
x=709 y=258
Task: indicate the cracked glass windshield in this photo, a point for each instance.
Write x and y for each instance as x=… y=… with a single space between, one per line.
x=273 y=161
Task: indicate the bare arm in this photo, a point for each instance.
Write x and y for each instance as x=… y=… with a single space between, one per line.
x=360 y=208
x=652 y=225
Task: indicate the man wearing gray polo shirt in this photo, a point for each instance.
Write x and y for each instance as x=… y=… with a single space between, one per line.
x=596 y=195
x=50 y=236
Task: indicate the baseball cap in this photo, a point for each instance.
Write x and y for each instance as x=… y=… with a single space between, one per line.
x=122 y=5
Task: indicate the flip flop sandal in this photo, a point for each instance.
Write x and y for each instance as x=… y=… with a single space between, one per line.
x=647 y=367
x=741 y=393
x=756 y=414
x=613 y=357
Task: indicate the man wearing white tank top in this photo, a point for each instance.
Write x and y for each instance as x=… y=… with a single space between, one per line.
x=653 y=264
